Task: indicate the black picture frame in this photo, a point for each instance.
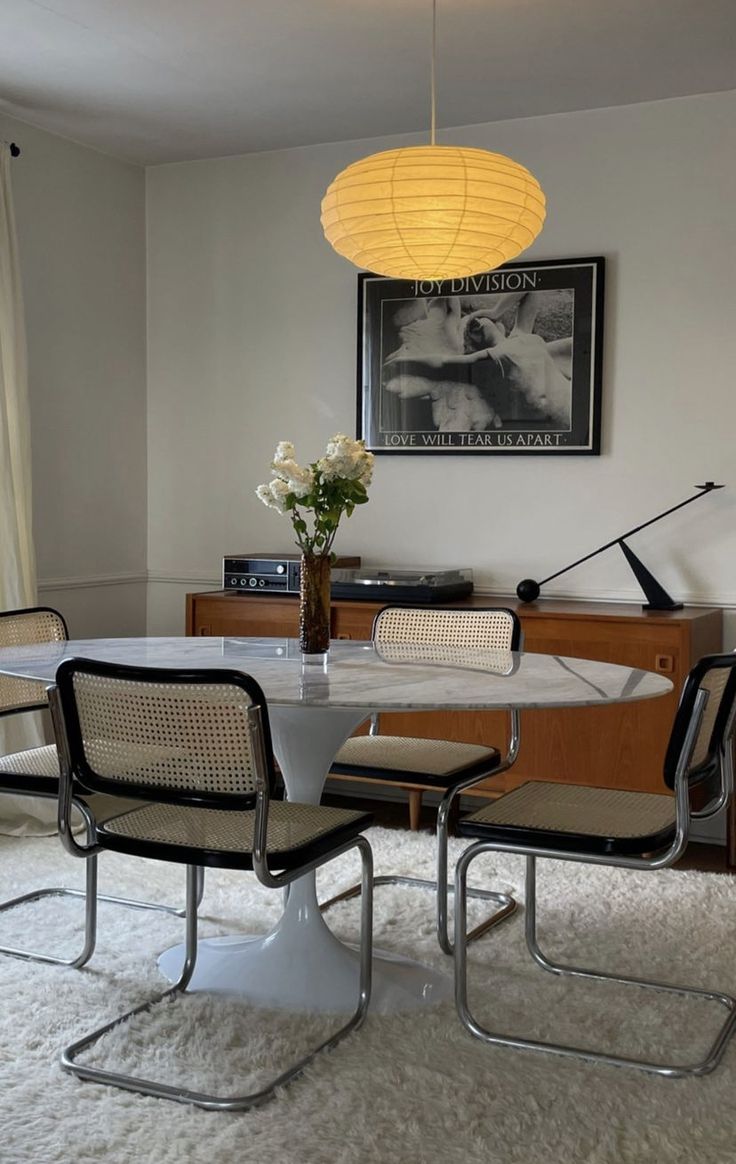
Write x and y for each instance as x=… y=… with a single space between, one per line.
x=507 y=362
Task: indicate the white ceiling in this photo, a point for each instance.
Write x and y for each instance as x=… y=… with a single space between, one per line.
x=167 y=80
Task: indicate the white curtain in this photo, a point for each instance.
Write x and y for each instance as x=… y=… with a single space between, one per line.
x=19 y=814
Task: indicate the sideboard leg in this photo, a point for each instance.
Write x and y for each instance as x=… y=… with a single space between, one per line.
x=415 y=808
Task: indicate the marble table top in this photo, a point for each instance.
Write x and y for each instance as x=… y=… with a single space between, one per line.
x=359 y=674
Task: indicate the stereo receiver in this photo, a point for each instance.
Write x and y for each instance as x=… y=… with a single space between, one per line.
x=270 y=573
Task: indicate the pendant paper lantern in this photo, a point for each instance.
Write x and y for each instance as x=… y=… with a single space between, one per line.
x=432 y=212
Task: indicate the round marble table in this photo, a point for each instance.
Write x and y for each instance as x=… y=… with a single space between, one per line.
x=313 y=709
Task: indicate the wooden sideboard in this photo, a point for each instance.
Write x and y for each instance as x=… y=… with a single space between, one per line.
x=619 y=746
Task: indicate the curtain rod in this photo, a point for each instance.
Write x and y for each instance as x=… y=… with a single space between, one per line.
x=14 y=150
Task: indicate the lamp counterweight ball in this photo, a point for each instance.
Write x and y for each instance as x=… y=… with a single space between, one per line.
x=528 y=590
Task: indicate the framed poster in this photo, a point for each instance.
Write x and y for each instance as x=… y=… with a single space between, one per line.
x=505 y=362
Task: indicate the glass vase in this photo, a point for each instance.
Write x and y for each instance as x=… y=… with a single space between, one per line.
x=314 y=607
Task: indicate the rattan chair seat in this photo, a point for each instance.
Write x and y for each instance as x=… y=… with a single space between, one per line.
x=399 y=757
x=36 y=771
x=579 y=813
x=34 y=762
x=292 y=827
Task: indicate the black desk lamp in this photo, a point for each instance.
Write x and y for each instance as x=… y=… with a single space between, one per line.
x=657 y=597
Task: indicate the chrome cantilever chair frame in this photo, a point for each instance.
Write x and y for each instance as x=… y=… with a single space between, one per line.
x=683 y=815
x=504 y=901
x=24 y=786
x=259 y=743
x=91 y=900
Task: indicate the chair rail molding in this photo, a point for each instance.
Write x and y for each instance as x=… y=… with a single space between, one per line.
x=193 y=578
x=92 y=581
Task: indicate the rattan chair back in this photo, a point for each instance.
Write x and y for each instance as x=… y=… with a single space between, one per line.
x=27 y=627
x=716 y=675
x=494 y=628
x=198 y=738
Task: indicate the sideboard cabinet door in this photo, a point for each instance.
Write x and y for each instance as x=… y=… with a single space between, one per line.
x=241 y=615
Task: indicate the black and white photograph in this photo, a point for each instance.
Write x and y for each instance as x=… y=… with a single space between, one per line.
x=508 y=361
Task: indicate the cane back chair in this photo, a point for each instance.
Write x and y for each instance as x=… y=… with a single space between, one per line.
x=445 y=766
x=194 y=745
x=35 y=772
x=631 y=830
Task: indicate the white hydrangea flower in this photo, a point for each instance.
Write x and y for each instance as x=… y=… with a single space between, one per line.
x=346 y=458
x=285 y=451
x=363 y=468
x=279 y=489
x=263 y=493
x=299 y=479
x=274 y=494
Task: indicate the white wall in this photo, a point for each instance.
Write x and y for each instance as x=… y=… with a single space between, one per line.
x=252 y=326
x=81 y=226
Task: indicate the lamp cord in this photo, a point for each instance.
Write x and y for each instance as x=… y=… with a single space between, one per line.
x=434 y=57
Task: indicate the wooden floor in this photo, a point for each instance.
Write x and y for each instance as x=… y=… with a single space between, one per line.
x=395 y=815
x=707 y=858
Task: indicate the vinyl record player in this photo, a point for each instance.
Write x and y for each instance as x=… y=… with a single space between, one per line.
x=371 y=584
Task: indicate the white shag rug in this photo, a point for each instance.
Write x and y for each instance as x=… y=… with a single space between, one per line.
x=412 y=1088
